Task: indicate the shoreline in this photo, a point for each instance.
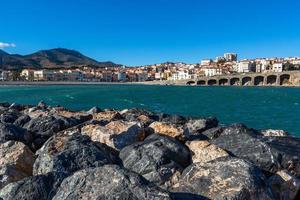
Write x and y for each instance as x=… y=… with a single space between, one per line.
x=157 y=83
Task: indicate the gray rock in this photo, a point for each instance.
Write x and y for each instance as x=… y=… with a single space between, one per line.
x=108 y=182
x=67 y=154
x=9 y=117
x=11 y=132
x=195 y=127
x=284 y=185
x=22 y=120
x=268 y=153
x=158 y=158
x=33 y=188
x=94 y=110
x=223 y=178
x=174 y=119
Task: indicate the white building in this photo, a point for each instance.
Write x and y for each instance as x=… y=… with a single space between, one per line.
x=212 y=71
x=121 y=76
x=181 y=75
x=277 y=67
x=43 y=75
x=206 y=62
x=245 y=66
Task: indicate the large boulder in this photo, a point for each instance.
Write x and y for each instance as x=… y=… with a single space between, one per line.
x=116 y=134
x=195 y=127
x=160 y=159
x=9 y=117
x=12 y=132
x=268 y=153
x=109 y=115
x=34 y=187
x=16 y=162
x=172 y=130
x=203 y=151
x=22 y=120
x=173 y=119
x=284 y=185
x=223 y=178
x=69 y=153
x=108 y=182
x=143 y=116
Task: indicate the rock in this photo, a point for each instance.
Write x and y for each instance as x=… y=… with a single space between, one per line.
x=12 y=132
x=203 y=151
x=4 y=104
x=271 y=132
x=93 y=110
x=9 y=117
x=16 y=161
x=271 y=154
x=160 y=159
x=34 y=187
x=22 y=120
x=223 y=178
x=212 y=133
x=70 y=153
x=109 y=115
x=168 y=129
x=108 y=182
x=173 y=119
x=196 y=126
x=116 y=134
x=284 y=185
x=16 y=107
x=135 y=114
x=42 y=105
x=44 y=127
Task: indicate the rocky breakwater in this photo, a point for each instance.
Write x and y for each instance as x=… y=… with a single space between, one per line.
x=54 y=153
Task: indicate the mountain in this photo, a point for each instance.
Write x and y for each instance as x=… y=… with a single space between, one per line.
x=50 y=59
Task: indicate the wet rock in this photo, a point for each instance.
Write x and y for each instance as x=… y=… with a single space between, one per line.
x=16 y=107
x=168 y=129
x=22 y=120
x=42 y=105
x=69 y=153
x=16 y=161
x=108 y=182
x=94 y=110
x=109 y=115
x=223 y=178
x=268 y=153
x=116 y=134
x=203 y=151
x=34 y=187
x=284 y=185
x=12 y=132
x=272 y=132
x=196 y=126
x=160 y=159
x=212 y=133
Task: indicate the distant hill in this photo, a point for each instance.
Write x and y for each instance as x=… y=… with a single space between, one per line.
x=53 y=58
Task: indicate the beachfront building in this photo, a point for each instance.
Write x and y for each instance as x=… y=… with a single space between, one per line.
x=121 y=76
x=277 y=67
x=206 y=62
x=245 y=66
x=27 y=74
x=43 y=75
x=212 y=71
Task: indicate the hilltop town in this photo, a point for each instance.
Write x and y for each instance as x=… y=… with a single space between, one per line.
x=227 y=64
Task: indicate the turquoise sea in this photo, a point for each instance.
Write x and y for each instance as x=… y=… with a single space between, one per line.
x=257 y=107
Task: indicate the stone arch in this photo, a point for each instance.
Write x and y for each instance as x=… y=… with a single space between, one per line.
x=271 y=80
x=284 y=79
x=235 y=81
x=258 y=80
x=246 y=81
x=212 y=82
x=223 y=81
x=201 y=82
x=191 y=83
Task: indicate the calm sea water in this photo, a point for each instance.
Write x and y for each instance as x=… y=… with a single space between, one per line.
x=277 y=108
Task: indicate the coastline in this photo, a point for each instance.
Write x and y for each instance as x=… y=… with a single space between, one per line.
x=158 y=83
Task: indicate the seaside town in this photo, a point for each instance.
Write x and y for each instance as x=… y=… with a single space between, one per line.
x=221 y=65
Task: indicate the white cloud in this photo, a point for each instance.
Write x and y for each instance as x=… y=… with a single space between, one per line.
x=5 y=45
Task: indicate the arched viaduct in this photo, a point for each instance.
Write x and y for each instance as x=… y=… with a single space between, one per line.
x=249 y=79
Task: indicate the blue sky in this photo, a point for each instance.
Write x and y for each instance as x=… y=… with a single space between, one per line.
x=136 y=32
